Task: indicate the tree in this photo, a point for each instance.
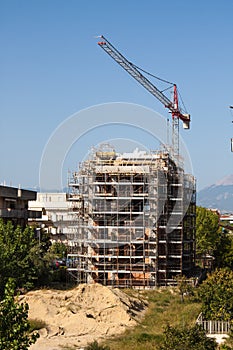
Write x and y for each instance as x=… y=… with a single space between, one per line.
x=18 y=248
x=207 y=231
x=224 y=250
x=24 y=257
x=59 y=249
x=14 y=324
x=42 y=258
x=193 y=338
x=184 y=286
x=216 y=293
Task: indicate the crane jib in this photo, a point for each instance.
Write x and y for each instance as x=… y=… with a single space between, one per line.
x=124 y=63
x=173 y=106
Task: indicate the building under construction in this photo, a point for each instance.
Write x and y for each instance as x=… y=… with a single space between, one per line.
x=135 y=219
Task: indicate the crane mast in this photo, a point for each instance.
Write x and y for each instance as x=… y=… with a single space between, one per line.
x=173 y=106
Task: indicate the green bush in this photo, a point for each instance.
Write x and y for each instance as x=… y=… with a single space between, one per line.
x=36 y=324
x=95 y=346
x=187 y=338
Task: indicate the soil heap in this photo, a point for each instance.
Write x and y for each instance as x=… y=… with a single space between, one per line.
x=79 y=316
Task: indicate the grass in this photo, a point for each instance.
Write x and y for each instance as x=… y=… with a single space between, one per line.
x=164 y=307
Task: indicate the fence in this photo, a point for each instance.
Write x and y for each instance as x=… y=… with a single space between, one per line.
x=214 y=327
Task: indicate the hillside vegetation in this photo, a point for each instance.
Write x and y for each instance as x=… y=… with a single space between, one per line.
x=164 y=308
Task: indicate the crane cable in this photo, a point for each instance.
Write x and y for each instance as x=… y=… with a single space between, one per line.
x=163 y=80
x=182 y=101
x=154 y=76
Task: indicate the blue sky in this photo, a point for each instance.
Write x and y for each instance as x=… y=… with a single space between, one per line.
x=51 y=67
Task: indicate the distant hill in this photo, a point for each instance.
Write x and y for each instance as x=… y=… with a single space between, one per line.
x=218 y=196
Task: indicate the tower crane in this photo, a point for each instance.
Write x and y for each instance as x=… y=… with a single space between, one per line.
x=173 y=106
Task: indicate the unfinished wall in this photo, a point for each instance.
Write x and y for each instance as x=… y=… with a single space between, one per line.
x=132 y=231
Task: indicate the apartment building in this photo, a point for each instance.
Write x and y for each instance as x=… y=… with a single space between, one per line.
x=14 y=205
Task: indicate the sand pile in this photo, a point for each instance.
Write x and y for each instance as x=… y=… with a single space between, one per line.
x=81 y=315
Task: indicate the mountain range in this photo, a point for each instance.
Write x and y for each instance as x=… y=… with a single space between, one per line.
x=218 y=196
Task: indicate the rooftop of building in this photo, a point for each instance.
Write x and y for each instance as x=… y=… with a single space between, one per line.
x=14 y=193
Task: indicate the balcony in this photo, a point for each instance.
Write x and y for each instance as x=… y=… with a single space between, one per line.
x=20 y=214
x=14 y=213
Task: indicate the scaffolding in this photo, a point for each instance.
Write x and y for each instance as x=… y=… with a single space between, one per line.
x=135 y=219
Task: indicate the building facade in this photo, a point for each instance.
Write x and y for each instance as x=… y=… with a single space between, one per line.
x=135 y=220
x=57 y=218
x=14 y=205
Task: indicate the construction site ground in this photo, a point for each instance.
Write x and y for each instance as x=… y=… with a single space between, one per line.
x=79 y=316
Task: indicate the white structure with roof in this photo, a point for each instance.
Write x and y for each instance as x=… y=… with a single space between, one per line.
x=57 y=215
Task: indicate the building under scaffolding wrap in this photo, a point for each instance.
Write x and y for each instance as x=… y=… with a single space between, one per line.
x=135 y=219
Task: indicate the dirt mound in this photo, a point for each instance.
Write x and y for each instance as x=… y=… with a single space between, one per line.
x=81 y=315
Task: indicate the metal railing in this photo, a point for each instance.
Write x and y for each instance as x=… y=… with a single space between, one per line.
x=213 y=326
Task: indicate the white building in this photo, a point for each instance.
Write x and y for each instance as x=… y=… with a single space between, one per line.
x=57 y=217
